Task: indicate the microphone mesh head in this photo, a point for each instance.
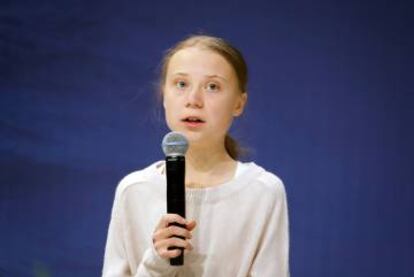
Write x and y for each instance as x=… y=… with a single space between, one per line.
x=174 y=144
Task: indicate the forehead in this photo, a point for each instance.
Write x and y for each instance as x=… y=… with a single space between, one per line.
x=195 y=60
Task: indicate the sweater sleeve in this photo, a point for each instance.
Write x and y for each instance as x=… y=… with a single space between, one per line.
x=116 y=262
x=272 y=258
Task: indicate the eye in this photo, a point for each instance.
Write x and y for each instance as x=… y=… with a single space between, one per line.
x=181 y=84
x=212 y=86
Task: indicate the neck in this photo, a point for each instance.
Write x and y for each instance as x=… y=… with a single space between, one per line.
x=206 y=158
x=208 y=166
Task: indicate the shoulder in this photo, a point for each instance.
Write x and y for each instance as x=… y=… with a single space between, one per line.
x=139 y=177
x=267 y=181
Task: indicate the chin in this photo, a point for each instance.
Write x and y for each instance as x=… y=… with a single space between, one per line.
x=194 y=138
x=191 y=135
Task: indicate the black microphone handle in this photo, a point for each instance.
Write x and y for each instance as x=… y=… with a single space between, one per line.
x=176 y=196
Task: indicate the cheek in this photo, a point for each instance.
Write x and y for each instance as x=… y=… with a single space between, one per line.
x=168 y=118
x=223 y=116
x=167 y=103
x=171 y=112
x=226 y=109
x=168 y=110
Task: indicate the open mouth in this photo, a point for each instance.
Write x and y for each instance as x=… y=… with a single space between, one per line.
x=193 y=120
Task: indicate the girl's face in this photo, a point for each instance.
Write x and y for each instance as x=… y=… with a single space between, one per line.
x=201 y=95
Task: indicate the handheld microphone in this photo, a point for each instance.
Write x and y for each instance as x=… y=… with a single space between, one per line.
x=174 y=145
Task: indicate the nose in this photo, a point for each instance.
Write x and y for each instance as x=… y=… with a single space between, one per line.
x=195 y=98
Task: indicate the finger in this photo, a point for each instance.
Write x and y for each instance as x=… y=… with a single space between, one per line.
x=167 y=219
x=175 y=253
x=172 y=242
x=167 y=254
x=166 y=251
x=171 y=231
x=177 y=231
x=177 y=242
x=191 y=225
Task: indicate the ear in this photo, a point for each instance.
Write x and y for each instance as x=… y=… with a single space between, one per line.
x=241 y=103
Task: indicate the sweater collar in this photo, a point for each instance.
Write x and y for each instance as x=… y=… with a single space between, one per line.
x=210 y=194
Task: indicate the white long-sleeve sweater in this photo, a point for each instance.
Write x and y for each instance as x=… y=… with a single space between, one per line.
x=242 y=227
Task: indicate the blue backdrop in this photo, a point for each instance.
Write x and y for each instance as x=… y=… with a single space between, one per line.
x=330 y=111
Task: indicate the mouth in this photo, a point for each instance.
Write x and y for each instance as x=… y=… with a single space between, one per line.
x=192 y=122
x=193 y=119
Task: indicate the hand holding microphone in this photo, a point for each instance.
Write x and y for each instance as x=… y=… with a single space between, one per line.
x=169 y=240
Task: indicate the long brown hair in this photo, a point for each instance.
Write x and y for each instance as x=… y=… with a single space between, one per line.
x=232 y=55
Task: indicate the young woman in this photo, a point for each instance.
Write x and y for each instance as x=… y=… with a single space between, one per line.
x=237 y=222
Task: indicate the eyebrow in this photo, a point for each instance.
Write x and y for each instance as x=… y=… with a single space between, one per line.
x=209 y=76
